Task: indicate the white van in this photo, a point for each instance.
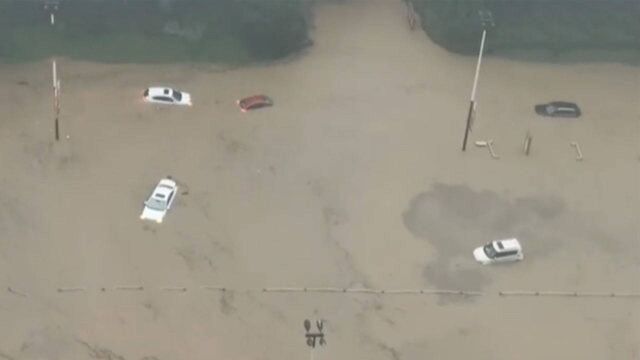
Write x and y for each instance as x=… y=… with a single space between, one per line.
x=499 y=251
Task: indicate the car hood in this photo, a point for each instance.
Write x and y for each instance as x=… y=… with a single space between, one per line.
x=186 y=99
x=480 y=256
x=541 y=109
x=153 y=215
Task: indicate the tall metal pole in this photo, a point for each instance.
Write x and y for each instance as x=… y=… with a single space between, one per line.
x=56 y=100
x=472 y=103
x=52 y=5
x=57 y=124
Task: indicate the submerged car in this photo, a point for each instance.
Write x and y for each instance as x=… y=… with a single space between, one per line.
x=165 y=95
x=558 y=109
x=160 y=200
x=254 y=102
x=499 y=251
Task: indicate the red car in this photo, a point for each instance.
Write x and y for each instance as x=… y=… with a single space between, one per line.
x=254 y=102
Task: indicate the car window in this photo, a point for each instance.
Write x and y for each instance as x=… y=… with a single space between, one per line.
x=156 y=204
x=506 y=253
x=170 y=197
x=489 y=251
x=177 y=95
x=163 y=98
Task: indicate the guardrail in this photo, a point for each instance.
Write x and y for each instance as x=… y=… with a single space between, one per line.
x=356 y=290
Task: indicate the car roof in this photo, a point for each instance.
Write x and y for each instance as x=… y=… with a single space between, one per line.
x=163 y=191
x=159 y=91
x=167 y=182
x=563 y=104
x=255 y=98
x=507 y=245
x=164 y=187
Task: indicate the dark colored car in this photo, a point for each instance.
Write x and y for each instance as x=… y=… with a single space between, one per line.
x=558 y=109
x=254 y=102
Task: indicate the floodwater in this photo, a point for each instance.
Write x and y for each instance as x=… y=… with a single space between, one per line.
x=353 y=179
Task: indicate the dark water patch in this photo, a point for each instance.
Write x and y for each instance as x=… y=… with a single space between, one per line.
x=456 y=219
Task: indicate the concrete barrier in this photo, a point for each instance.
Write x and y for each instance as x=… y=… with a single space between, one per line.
x=70 y=289
x=569 y=294
x=131 y=288
x=362 y=290
x=179 y=289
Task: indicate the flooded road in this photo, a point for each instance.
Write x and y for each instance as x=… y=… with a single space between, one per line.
x=354 y=179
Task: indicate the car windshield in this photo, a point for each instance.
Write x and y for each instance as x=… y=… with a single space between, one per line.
x=177 y=95
x=156 y=204
x=490 y=251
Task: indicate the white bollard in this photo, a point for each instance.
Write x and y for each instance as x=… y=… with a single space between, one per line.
x=578 y=151
x=490 y=146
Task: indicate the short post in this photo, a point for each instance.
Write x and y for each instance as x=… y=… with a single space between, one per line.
x=576 y=146
x=491 y=151
x=527 y=143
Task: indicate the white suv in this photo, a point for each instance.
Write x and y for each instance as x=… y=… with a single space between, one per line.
x=165 y=95
x=499 y=251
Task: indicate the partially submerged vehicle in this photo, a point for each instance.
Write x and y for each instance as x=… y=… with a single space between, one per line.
x=160 y=201
x=558 y=109
x=165 y=95
x=254 y=102
x=499 y=251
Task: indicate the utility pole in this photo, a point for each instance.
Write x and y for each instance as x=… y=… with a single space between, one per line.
x=52 y=6
x=472 y=103
x=486 y=18
x=56 y=100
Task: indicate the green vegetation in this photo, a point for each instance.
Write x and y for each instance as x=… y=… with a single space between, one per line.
x=224 y=31
x=240 y=31
x=537 y=29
